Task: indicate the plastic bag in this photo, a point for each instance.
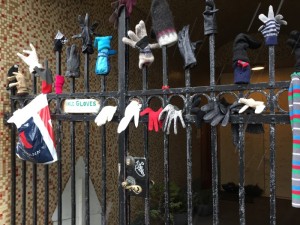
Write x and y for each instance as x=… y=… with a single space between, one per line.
x=36 y=139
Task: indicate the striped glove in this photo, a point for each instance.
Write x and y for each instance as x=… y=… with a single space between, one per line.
x=271 y=26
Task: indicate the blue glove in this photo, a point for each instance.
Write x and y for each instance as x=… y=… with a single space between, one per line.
x=104 y=51
x=271 y=26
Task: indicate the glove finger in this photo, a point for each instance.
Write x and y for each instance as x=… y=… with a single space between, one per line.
x=143 y=31
x=175 y=125
x=22 y=56
x=208 y=106
x=226 y=119
x=263 y=18
x=136 y=118
x=145 y=111
x=111 y=113
x=150 y=124
x=124 y=123
x=32 y=47
x=243 y=108
x=155 y=125
x=132 y=36
x=270 y=12
x=259 y=109
x=153 y=46
x=216 y=120
x=169 y=125
x=127 y=41
x=181 y=120
x=27 y=51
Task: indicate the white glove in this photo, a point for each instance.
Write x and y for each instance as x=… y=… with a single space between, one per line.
x=257 y=105
x=105 y=115
x=32 y=59
x=172 y=115
x=132 y=110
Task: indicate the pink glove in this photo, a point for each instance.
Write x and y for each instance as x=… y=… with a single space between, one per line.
x=59 y=82
x=153 y=120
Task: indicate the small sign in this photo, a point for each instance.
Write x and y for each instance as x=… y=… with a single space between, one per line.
x=81 y=106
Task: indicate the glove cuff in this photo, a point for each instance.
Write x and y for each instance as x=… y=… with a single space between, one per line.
x=271 y=40
x=143 y=43
x=46 y=88
x=241 y=74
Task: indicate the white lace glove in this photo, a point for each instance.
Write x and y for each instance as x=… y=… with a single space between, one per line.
x=105 y=115
x=172 y=115
x=32 y=59
x=259 y=106
x=131 y=111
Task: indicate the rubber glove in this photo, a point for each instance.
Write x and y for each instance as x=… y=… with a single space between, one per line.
x=153 y=121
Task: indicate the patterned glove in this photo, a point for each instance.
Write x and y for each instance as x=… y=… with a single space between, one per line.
x=271 y=26
x=131 y=111
x=32 y=59
x=139 y=40
x=153 y=120
x=105 y=115
x=172 y=115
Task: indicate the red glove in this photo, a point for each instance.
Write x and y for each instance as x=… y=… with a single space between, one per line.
x=59 y=82
x=153 y=120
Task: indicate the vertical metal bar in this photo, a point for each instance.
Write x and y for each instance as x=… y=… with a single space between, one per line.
x=87 y=146
x=34 y=173
x=189 y=151
x=146 y=151
x=214 y=137
x=13 y=169
x=73 y=161
x=59 y=152
x=241 y=146
x=122 y=86
x=166 y=142
x=272 y=138
x=46 y=187
x=103 y=131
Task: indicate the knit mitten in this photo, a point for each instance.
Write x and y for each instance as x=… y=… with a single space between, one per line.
x=162 y=22
x=242 y=69
x=59 y=82
x=104 y=51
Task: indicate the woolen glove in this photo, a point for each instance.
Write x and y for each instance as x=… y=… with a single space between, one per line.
x=86 y=33
x=10 y=73
x=241 y=65
x=162 y=23
x=173 y=113
x=294 y=42
x=271 y=26
x=32 y=59
x=117 y=5
x=104 y=51
x=153 y=121
x=20 y=83
x=216 y=112
x=59 y=41
x=131 y=111
x=197 y=111
x=59 y=83
x=187 y=48
x=46 y=77
x=105 y=115
x=258 y=106
x=140 y=40
x=73 y=62
x=210 y=23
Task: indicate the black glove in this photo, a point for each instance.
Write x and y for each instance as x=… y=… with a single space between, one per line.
x=59 y=41
x=187 y=48
x=210 y=23
x=73 y=62
x=294 y=42
x=86 y=34
x=197 y=111
x=10 y=73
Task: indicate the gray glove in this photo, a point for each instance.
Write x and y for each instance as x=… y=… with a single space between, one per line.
x=173 y=113
x=73 y=62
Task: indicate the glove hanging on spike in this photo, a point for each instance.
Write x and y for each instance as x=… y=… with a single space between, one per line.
x=46 y=77
x=162 y=23
x=59 y=41
x=210 y=23
x=187 y=48
x=242 y=69
x=86 y=34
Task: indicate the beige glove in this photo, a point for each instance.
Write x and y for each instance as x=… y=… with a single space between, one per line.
x=259 y=106
x=20 y=84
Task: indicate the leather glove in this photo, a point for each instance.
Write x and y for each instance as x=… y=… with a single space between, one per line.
x=259 y=106
x=104 y=51
x=105 y=115
x=59 y=83
x=187 y=48
x=153 y=121
x=131 y=111
x=197 y=111
x=86 y=34
x=271 y=26
x=294 y=42
x=216 y=112
x=59 y=41
x=173 y=113
x=32 y=59
x=46 y=77
x=139 y=40
x=21 y=83
x=73 y=62
x=210 y=22
x=117 y=5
